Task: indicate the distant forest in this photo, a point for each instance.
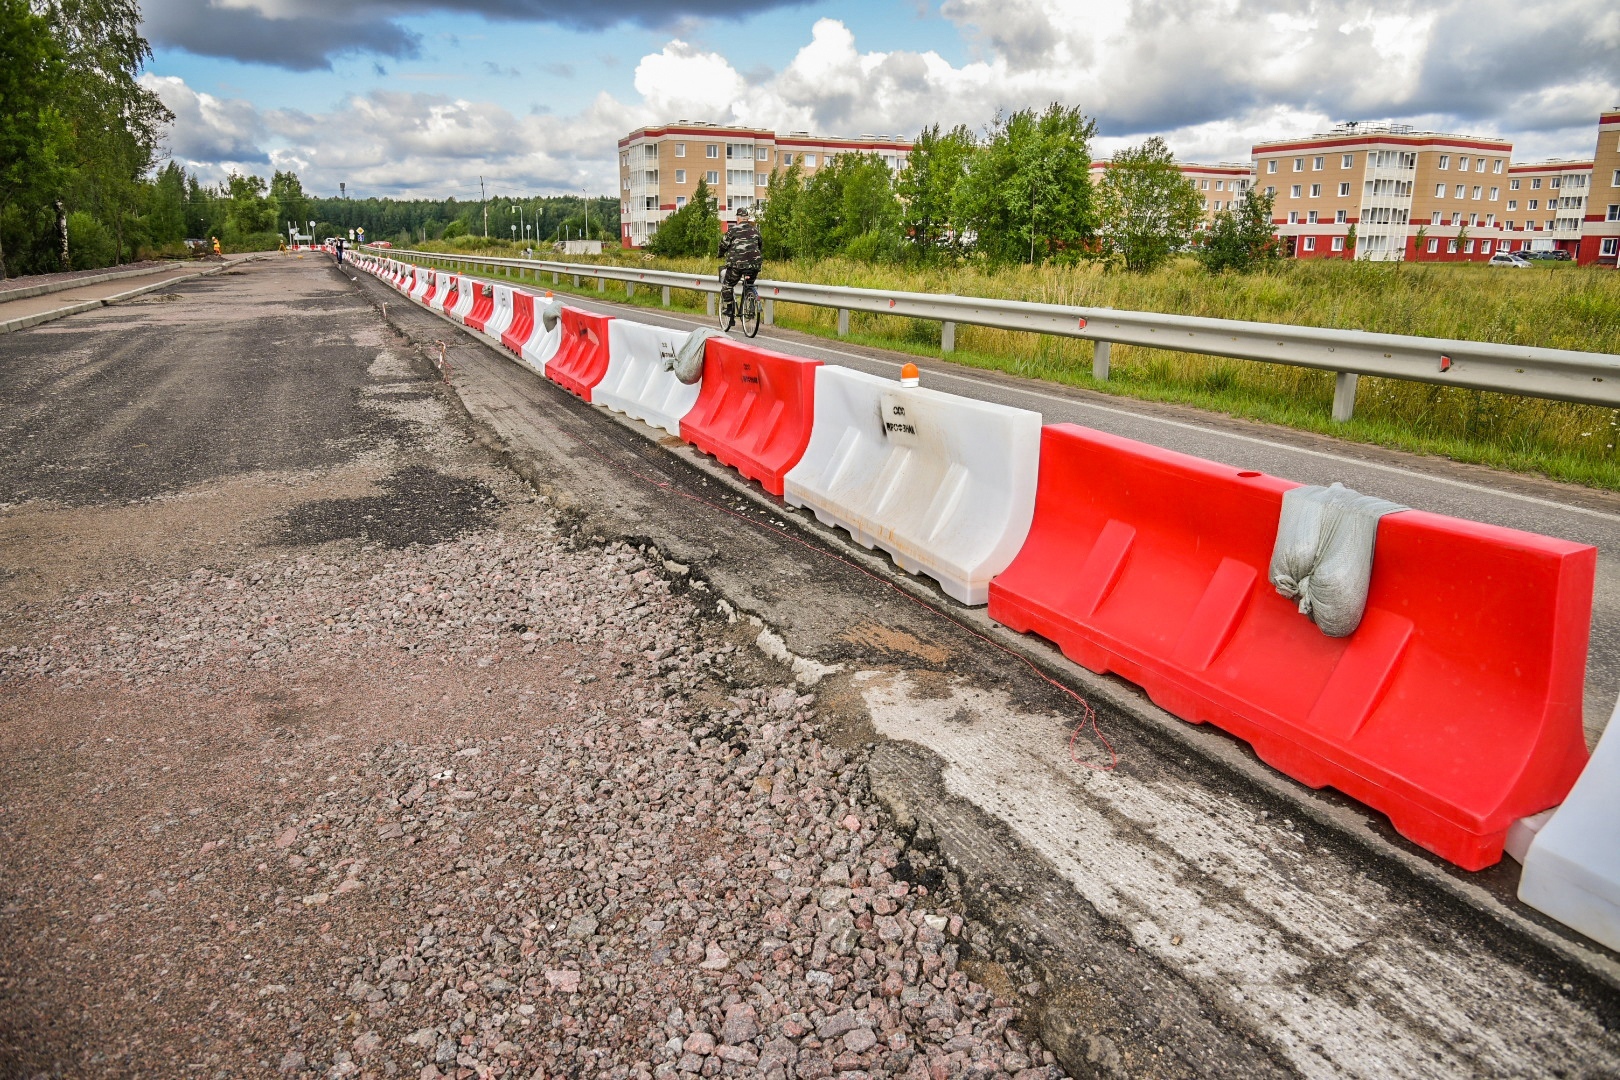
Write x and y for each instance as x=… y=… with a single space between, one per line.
x=412 y=220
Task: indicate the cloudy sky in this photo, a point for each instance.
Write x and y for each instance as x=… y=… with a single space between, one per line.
x=424 y=96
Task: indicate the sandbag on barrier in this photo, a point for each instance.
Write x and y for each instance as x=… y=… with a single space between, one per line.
x=640 y=381
x=581 y=358
x=754 y=410
x=1572 y=869
x=521 y=324
x=1455 y=706
x=483 y=305
x=444 y=290
x=500 y=315
x=466 y=295
x=944 y=484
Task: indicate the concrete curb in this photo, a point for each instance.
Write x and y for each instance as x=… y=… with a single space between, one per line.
x=77 y=283
x=25 y=321
x=1336 y=814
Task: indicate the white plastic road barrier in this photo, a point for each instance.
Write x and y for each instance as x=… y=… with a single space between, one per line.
x=944 y=484
x=464 y=298
x=640 y=381
x=1572 y=869
x=441 y=289
x=542 y=344
x=419 y=290
x=500 y=316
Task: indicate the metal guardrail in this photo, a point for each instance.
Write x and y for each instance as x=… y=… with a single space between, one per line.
x=1561 y=374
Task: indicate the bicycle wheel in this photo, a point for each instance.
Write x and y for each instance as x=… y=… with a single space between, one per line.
x=750 y=312
x=720 y=305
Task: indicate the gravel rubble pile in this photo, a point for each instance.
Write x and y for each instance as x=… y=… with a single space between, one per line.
x=505 y=806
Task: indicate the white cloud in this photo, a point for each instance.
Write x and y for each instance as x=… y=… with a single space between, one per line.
x=1212 y=76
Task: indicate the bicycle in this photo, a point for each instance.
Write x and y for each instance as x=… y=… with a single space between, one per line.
x=748 y=309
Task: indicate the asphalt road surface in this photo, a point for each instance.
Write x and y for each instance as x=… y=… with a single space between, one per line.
x=268 y=591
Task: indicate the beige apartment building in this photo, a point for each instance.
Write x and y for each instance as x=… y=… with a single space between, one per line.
x=659 y=167
x=1600 y=233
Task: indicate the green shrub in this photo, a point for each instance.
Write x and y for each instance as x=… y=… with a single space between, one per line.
x=90 y=244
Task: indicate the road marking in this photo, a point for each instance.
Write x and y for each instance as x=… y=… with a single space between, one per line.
x=1464 y=485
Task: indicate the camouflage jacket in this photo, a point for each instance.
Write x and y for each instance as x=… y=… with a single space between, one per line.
x=740 y=247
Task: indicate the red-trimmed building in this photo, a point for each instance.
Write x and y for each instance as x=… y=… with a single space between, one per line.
x=659 y=167
x=1600 y=232
x=1218 y=185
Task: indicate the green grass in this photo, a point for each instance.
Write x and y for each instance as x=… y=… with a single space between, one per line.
x=1553 y=305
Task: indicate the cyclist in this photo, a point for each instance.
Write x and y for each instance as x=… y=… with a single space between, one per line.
x=741 y=249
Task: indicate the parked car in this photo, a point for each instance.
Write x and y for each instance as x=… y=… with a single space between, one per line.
x=1508 y=258
x=1560 y=255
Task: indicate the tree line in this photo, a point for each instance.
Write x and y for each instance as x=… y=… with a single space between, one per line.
x=1021 y=193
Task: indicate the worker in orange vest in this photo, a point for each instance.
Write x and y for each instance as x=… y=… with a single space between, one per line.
x=216 y=244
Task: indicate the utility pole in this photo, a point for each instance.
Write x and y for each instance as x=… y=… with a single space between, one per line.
x=485 y=204
x=585 y=192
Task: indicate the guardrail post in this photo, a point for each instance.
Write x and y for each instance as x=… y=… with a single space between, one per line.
x=556 y=278
x=1344 y=395
x=1099 y=361
x=666 y=296
x=709 y=298
x=629 y=290
x=770 y=313
x=601 y=284
x=576 y=281
x=947 y=336
x=843 y=322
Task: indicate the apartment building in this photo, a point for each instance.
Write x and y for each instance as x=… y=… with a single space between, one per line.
x=659 y=167
x=1218 y=185
x=1600 y=232
x=1546 y=205
x=1388 y=182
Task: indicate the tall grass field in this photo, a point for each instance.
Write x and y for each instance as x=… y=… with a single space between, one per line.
x=1552 y=305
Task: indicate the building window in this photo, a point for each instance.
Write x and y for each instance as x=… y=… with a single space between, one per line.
x=1316 y=191
x=1293 y=217
x=1478 y=191
x=1220 y=185
x=1513 y=204
x=1508 y=224
x=1614 y=212
x=810 y=161
x=680 y=149
x=1611 y=245
x=1271 y=167
x=1479 y=164
x=1310 y=243
x=650 y=203
x=1490 y=221
x=1316 y=164
x=1495 y=193
x=761 y=180
x=1615 y=180
x=712 y=150
x=1445 y=161
x=1203 y=185
x=1338 y=243
x=1347 y=161
x=1535 y=204
x=1468 y=247
x=1549 y=226
x=761 y=154
x=1473 y=219
x=1271 y=191
x=787 y=159
x=1338 y=217
x=1513 y=185
x=1310 y=219
x=680 y=201
x=1434 y=245
x=1462 y=164
x=1535 y=183
x=1295 y=191
x=712 y=177
x=1554 y=182
x=1439 y=191
x=1435 y=220
x=1461 y=191
x=1299 y=164
x=680 y=176
x=1485 y=246
x=1496 y=166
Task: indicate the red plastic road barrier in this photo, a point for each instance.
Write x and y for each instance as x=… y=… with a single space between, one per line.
x=582 y=355
x=1455 y=707
x=483 y=304
x=426 y=298
x=522 y=324
x=754 y=411
x=450 y=292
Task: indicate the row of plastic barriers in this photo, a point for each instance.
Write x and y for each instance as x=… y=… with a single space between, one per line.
x=1454 y=708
